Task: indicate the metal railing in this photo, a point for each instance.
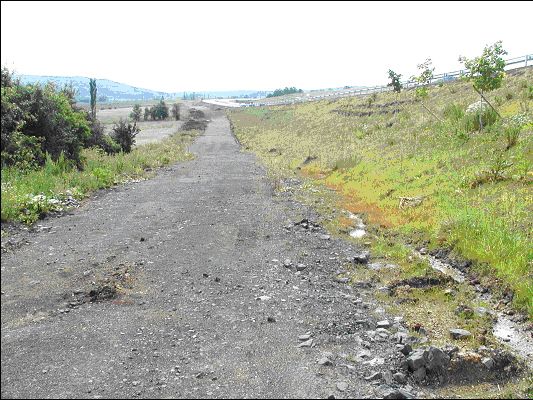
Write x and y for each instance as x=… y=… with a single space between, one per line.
x=443 y=77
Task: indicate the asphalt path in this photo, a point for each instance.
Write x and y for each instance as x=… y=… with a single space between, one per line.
x=205 y=306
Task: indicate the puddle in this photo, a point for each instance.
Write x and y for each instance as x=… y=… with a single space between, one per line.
x=443 y=267
x=511 y=334
x=359 y=230
x=357 y=233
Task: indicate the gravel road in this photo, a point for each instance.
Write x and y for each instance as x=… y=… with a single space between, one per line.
x=206 y=306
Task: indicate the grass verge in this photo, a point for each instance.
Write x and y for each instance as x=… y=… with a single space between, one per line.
x=474 y=188
x=29 y=195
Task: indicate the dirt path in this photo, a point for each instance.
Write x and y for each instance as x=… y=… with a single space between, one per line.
x=204 y=309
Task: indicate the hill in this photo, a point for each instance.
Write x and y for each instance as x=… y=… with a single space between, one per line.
x=108 y=91
x=111 y=91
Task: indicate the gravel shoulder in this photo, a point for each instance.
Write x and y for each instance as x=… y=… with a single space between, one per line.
x=204 y=305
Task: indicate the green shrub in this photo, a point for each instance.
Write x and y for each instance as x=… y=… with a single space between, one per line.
x=454 y=112
x=109 y=145
x=100 y=139
x=157 y=112
x=23 y=152
x=512 y=127
x=46 y=117
x=135 y=115
x=58 y=167
x=104 y=176
x=124 y=134
x=471 y=120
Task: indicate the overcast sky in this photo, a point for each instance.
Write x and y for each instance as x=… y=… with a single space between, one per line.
x=253 y=45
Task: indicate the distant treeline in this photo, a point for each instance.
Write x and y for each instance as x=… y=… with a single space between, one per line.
x=282 y=92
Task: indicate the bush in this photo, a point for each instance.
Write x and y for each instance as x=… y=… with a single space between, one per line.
x=109 y=145
x=512 y=127
x=63 y=129
x=23 y=152
x=47 y=119
x=96 y=134
x=124 y=134
x=100 y=139
x=421 y=93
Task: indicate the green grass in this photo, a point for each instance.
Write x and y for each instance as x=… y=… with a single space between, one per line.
x=517 y=388
x=29 y=195
x=476 y=192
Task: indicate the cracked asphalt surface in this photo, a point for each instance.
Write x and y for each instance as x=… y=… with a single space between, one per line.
x=206 y=307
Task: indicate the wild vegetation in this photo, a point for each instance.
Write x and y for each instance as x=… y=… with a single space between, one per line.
x=28 y=195
x=473 y=187
x=52 y=149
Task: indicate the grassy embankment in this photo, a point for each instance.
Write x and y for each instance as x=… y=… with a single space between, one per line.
x=27 y=195
x=476 y=193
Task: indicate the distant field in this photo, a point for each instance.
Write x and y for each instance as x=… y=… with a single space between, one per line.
x=151 y=131
x=476 y=193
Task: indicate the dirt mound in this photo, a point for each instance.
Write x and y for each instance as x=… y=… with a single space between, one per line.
x=193 y=124
x=196 y=121
x=194 y=113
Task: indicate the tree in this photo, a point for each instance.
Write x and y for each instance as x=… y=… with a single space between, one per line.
x=124 y=134
x=146 y=113
x=424 y=79
x=395 y=81
x=176 y=111
x=93 y=90
x=282 y=92
x=159 y=111
x=135 y=115
x=486 y=72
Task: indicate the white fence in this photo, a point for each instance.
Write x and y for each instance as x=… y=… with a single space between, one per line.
x=512 y=63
